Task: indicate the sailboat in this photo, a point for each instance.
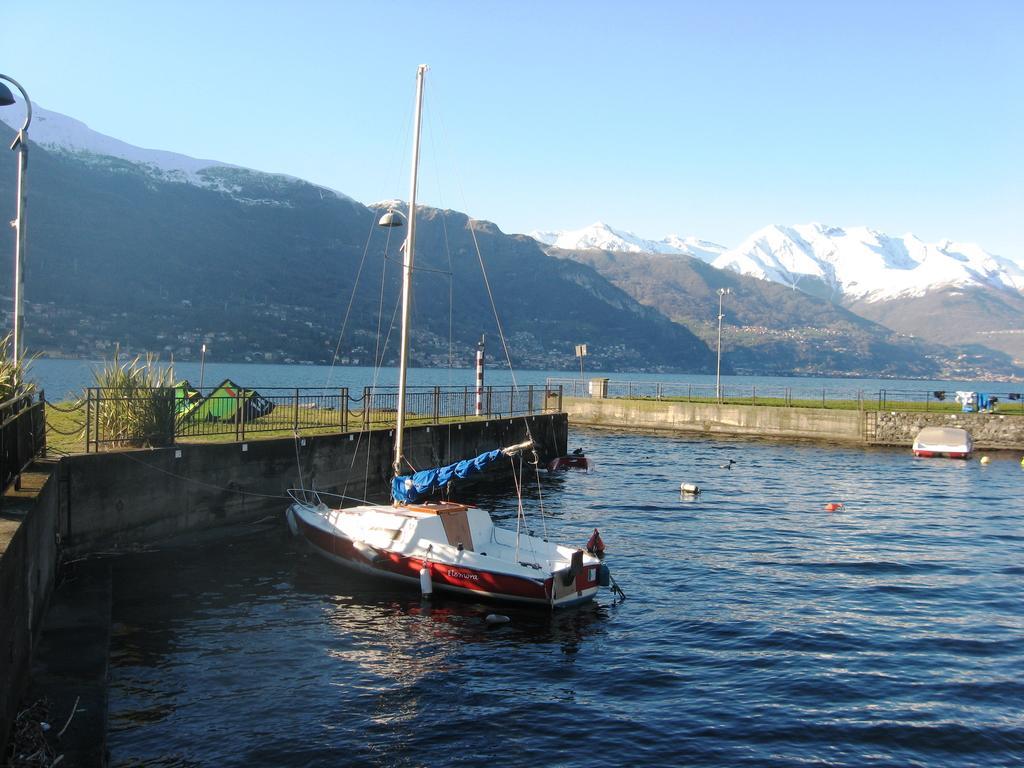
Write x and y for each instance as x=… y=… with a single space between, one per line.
x=443 y=545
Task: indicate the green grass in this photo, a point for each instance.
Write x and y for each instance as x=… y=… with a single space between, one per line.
x=65 y=427
x=66 y=421
x=872 y=404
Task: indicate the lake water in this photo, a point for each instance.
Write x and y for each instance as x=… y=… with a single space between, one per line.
x=65 y=379
x=759 y=629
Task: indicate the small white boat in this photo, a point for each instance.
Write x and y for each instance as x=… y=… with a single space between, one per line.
x=946 y=442
x=443 y=545
x=447 y=546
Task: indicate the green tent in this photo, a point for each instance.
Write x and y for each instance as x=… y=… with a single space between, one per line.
x=228 y=402
x=186 y=399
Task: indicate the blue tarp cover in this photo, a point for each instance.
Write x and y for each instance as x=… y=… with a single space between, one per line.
x=414 y=487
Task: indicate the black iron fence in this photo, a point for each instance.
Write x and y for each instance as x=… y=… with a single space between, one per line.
x=709 y=393
x=22 y=436
x=161 y=416
x=806 y=396
x=951 y=402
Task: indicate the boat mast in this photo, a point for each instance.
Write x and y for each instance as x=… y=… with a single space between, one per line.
x=410 y=245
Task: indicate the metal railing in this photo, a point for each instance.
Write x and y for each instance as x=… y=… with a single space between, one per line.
x=735 y=394
x=162 y=416
x=941 y=401
x=814 y=397
x=22 y=436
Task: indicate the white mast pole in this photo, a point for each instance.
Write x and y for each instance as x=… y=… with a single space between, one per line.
x=410 y=245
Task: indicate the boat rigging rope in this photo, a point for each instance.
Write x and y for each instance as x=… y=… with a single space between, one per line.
x=298 y=461
x=517 y=475
x=438 y=90
x=512 y=374
x=520 y=518
x=239 y=491
x=351 y=301
x=224 y=488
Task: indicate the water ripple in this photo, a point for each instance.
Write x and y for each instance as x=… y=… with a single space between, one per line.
x=760 y=630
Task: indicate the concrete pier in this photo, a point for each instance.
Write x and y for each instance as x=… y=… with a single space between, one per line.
x=990 y=431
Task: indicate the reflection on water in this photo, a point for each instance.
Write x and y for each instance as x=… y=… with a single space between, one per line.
x=760 y=629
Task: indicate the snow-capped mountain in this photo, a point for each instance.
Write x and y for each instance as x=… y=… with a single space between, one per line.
x=65 y=134
x=858 y=263
x=60 y=133
x=851 y=264
x=602 y=237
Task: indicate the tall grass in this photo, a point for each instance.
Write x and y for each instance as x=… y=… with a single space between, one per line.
x=13 y=380
x=135 y=403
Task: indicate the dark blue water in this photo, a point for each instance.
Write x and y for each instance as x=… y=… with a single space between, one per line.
x=759 y=629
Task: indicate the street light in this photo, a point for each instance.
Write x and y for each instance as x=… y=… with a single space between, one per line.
x=718 y=372
x=20 y=144
x=581 y=352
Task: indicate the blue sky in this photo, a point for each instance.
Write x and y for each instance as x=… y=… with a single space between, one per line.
x=710 y=119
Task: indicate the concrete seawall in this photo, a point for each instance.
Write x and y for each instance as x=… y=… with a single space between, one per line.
x=126 y=499
x=990 y=431
x=709 y=418
x=119 y=500
x=28 y=572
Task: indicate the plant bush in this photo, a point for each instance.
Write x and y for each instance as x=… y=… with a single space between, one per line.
x=13 y=376
x=135 y=403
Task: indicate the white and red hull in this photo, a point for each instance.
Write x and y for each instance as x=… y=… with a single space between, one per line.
x=942 y=454
x=563 y=463
x=547 y=580
x=943 y=442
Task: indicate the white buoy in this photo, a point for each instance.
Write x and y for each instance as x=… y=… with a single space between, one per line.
x=984 y=459
x=689 y=488
x=426 y=585
x=497 y=618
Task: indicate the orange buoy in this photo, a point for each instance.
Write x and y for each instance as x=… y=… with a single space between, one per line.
x=833 y=506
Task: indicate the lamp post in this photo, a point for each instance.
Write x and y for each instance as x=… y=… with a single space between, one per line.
x=20 y=144
x=718 y=371
x=202 y=368
x=581 y=352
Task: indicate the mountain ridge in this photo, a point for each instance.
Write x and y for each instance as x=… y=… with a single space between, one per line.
x=260 y=266
x=248 y=260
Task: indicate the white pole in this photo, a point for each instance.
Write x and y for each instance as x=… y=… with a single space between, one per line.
x=202 y=368
x=20 y=144
x=718 y=371
x=407 y=262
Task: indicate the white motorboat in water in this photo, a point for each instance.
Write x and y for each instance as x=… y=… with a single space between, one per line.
x=443 y=545
x=946 y=442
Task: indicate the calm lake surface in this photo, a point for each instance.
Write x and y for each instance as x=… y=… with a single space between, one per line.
x=66 y=379
x=759 y=629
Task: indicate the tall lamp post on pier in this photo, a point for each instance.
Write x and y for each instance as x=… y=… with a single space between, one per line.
x=718 y=371
x=20 y=144
x=581 y=352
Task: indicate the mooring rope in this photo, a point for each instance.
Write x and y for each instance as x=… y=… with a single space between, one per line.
x=200 y=482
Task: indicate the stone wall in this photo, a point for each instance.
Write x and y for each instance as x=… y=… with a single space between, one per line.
x=989 y=431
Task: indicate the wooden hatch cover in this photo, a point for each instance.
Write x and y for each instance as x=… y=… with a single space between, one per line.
x=453 y=518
